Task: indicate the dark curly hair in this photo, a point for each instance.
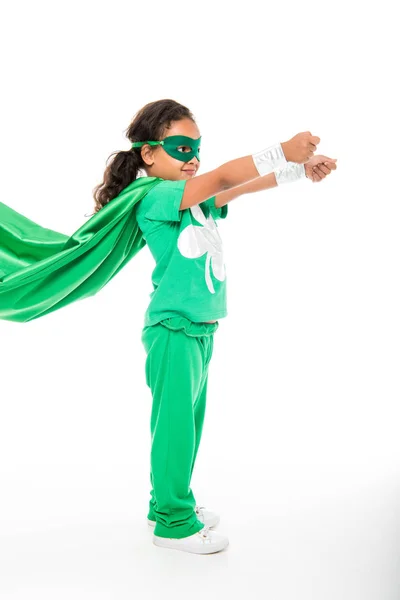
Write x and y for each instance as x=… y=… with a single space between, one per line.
x=149 y=123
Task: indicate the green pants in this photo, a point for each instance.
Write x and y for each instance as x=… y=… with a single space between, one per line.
x=178 y=354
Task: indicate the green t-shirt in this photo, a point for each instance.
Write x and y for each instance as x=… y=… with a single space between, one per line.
x=189 y=278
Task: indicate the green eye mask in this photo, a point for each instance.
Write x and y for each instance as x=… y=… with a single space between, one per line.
x=172 y=143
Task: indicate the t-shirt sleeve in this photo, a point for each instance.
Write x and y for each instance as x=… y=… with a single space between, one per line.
x=163 y=201
x=216 y=213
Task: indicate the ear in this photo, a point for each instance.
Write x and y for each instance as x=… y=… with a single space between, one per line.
x=147 y=154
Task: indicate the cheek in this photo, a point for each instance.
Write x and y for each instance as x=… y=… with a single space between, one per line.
x=178 y=164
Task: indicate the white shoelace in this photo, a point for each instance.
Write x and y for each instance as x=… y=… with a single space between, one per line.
x=205 y=534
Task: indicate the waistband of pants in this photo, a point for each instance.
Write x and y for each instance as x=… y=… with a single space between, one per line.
x=190 y=327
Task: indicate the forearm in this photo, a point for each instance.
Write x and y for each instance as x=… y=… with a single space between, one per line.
x=292 y=172
x=256 y=185
x=247 y=168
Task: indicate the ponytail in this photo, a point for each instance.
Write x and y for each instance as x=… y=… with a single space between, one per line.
x=120 y=172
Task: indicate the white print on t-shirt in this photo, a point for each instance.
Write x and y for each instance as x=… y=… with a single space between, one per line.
x=195 y=241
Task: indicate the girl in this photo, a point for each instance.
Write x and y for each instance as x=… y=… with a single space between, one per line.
x=175 y=213
x=178 y=220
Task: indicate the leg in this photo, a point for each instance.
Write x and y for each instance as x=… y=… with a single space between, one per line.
x=174 y=372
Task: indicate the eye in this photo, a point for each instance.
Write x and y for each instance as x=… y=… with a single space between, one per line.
x=188 y=147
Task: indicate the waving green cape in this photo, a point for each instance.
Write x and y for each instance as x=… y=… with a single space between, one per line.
x=42 y=270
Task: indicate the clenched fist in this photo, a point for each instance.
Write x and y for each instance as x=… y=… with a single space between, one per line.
x=300 y=148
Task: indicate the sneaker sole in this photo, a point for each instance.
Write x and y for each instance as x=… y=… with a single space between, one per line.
x=175 y=544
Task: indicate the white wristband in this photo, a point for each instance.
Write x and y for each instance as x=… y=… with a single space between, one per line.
x=292 y=172
x=269 y=159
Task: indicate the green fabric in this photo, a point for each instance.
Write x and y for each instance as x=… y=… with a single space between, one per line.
x=189 y=278
x=171 y=144
x=42 y=270
x=177 y=364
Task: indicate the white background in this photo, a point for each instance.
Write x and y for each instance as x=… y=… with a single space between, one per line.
x=300 y=449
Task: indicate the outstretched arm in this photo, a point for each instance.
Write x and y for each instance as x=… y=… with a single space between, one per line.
x=298 y=150
x=316 y=169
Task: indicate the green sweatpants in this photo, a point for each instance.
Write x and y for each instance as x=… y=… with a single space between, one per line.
x=178 y=355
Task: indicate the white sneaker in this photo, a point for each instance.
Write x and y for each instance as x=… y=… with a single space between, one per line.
x=201 y=542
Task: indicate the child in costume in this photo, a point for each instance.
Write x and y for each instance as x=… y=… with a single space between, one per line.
x=175 y=214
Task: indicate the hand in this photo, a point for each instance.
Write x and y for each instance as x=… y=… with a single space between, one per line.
x=319 y=166
x=300 y=148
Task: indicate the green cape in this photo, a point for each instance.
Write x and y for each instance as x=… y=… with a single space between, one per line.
x=42 y=270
